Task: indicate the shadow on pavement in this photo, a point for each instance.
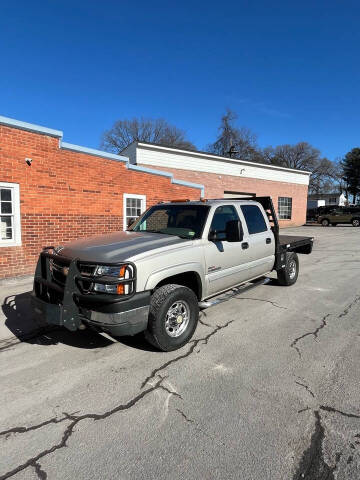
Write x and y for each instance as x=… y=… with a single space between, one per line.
x=24 y=325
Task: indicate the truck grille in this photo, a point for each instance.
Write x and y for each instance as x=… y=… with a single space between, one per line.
x=86 y=271
x=59 y=270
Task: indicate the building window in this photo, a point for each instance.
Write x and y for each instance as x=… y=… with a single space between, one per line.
x=134 y=206
x=10 y=233
x=332 y=200
x=285 y=208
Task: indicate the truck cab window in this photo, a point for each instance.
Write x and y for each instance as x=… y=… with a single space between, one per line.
x=254 y=219
x=222 y=215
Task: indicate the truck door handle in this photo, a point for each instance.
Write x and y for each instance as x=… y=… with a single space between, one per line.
x=244 y=245
x=268 y=240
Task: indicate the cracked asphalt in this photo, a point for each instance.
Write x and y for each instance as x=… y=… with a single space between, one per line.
x=267 y=389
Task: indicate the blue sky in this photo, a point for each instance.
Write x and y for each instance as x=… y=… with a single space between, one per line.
x=291 y=70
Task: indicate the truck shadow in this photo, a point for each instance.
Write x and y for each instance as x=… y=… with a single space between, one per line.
x=23 y=324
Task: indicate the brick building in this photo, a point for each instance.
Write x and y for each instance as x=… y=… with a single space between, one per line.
x=52 y=192
x=225 y=177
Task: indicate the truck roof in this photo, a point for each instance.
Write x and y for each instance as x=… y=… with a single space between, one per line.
x=208 y=201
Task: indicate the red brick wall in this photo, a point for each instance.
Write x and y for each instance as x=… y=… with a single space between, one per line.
x=66 y=195
x=215 y=185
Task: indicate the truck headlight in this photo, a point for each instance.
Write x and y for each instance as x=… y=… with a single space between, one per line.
x=122 y=272
x=111 y=271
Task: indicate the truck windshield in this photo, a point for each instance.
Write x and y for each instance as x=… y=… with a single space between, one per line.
x=185 y=221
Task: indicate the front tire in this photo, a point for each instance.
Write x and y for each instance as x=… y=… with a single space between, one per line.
x=325 y=222
x=355 y=222
x=288 y=275
x=173 y=317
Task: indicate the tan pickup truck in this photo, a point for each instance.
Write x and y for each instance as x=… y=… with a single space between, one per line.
x=175 y=259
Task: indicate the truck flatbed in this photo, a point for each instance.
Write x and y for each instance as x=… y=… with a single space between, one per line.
x=294 y=243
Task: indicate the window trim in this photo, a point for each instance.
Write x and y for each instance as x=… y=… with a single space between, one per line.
x=291 y=209
x=16 y=240
x=132 y=195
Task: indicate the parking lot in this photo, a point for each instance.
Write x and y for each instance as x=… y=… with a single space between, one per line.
x=269 y=388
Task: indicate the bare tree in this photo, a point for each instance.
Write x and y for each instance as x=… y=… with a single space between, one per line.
x=303 y=156
x=233 y=141
x=124 y=132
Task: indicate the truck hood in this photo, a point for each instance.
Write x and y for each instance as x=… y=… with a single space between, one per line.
x=118 y=246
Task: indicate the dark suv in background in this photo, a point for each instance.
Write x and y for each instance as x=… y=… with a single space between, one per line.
x=334 y=215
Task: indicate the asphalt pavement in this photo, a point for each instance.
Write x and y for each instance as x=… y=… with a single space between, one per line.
x=269 y=387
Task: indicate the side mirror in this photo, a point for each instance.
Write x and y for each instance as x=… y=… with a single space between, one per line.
x=234 y=231
x=213 y=236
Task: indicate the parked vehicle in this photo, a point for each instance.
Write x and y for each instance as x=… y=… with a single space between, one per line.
x=337 y=215
x=176 y=258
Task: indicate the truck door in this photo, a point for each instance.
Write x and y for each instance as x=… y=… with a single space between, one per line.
x=224 y=260
x=259 y=239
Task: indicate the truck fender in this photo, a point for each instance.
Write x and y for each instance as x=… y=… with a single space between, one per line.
x=158 y=276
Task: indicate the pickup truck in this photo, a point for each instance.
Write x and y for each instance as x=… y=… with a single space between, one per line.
x=172 y=261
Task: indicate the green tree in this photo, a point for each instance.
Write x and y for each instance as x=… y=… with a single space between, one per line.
x=159 y=131
x=351 y=172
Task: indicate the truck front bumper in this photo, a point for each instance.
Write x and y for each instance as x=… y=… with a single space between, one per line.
x=72 y=307
x=132 y=319
x=126 y=318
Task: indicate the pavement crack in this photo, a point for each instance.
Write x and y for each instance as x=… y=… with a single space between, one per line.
x=67 y=416
x=315 y=334
x=166 y=389
x=184 y=416
x=42 y=475
x=193 y=344
x=312 y=464
x=69 y=430
x=202 y=321
x=262 y=300
x=306 y=388
x=334 y=410
x=349 y=307
x=304 y=410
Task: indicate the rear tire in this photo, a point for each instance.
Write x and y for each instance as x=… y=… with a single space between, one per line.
x=355 y=222
x=325 y=222
x=288 y=275
x=173 y=317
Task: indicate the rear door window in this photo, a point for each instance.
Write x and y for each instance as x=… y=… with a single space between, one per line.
x=254 y=218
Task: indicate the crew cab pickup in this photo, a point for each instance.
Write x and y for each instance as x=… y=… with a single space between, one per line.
x=171 y=261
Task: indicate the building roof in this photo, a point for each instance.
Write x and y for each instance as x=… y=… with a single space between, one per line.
x=213 y=156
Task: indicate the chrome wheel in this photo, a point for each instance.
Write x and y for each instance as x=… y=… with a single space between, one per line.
x=177 y=318
x=292 y=269
x=356 y=222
